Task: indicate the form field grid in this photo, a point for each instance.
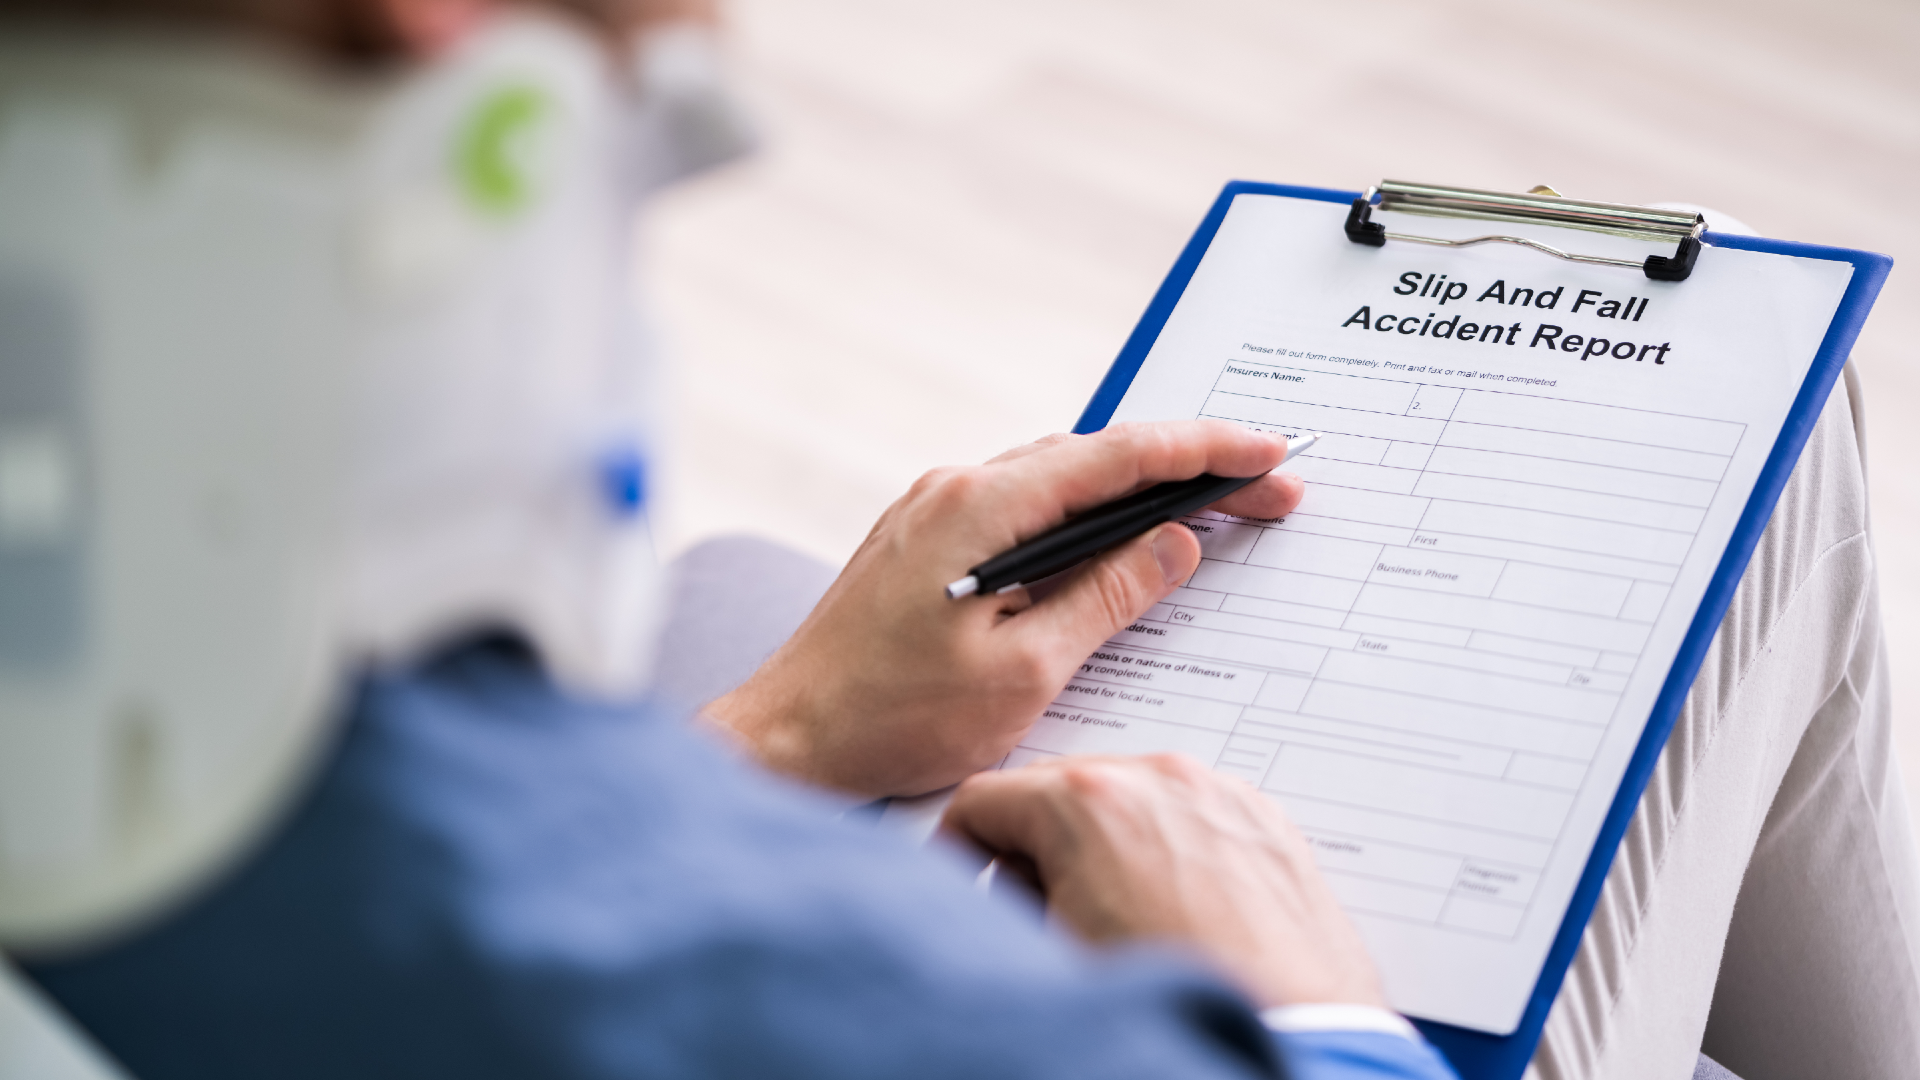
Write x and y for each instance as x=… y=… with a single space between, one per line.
x=1421 y=660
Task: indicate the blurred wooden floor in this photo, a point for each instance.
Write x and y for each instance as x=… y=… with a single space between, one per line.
x=963 y=208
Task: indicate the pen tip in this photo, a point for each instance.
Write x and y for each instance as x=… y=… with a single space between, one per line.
x=966 y=586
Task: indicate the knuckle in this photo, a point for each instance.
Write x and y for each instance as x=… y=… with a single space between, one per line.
x=1115 y=595
x=978 y=789
x=975 y=783
x=1030 y=671
x=930 y=480
x=1181 y=773
x=949 y=484
x=1140 y=436
x=1179 y=767
x=1096 y=783
x=1154 y=445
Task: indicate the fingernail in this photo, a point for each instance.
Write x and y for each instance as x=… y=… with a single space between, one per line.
x=1170 y=553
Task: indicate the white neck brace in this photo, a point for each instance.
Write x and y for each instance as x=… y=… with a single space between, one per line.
x=313 y=374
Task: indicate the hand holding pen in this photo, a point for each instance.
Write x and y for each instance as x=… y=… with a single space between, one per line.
x=1083 y=536
x=889 y=688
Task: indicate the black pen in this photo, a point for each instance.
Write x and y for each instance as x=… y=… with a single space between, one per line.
x=1089 y=534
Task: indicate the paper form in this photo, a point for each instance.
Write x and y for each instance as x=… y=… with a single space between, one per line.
x=1442 y=661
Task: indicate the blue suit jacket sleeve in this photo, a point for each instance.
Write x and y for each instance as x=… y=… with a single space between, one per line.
x=490 y=881
x=1362 y=1055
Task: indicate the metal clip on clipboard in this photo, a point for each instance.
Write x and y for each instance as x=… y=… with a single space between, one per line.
x=1542 y=206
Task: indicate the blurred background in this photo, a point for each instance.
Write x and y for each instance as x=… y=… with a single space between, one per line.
x=962 y=209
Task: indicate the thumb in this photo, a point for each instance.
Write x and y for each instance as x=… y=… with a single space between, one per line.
x=1006 y=812
x=1111 y=591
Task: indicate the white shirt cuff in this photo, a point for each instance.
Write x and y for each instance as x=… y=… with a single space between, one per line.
x=1294 y=1019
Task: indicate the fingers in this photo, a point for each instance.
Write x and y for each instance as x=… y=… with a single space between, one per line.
x=1271 y=496
x=1162 y=848
x=1109 y=592
x=1008 y=811
x=1036 y=485
x=1040 y=809
x=1078 y=473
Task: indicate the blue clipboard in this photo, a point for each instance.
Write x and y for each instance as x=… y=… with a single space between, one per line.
x=1477 y=1055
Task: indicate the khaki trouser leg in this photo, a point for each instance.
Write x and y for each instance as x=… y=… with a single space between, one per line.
x=1772 y=843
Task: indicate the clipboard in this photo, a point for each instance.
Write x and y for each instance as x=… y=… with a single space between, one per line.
x=1475 y=1054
